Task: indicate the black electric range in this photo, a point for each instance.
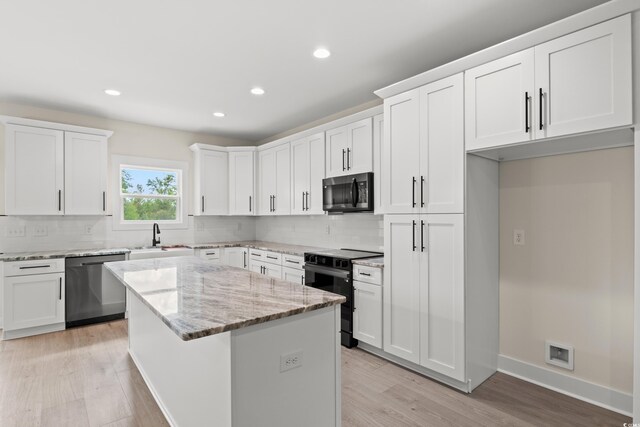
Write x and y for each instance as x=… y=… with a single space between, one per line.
x=332 y=271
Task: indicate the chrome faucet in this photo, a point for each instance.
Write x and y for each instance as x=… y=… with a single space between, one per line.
x=156 y=231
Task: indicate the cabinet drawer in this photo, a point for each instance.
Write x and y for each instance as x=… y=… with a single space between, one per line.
x=39 y=266
x=293 y=261
x=364 y=273
x=211 y=254
x=265 y=256
x=266 y=269
x=293 y=275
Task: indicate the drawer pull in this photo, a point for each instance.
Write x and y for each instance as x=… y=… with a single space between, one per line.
x=259 y=255
x=364 y=274
x=210 y=253
x=291 y=261
x=27 y=267
x=272 y=257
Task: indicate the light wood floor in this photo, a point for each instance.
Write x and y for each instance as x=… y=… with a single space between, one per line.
x=84 y=377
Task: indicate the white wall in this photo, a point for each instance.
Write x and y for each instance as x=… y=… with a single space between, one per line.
x=355 y=230
x=572 y=281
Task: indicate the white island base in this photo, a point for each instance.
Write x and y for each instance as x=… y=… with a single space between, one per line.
x=234 y=378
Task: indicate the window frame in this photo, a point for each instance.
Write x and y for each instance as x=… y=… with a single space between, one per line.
x=181 y=169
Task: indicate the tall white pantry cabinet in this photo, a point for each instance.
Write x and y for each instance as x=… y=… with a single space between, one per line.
x=425 y=310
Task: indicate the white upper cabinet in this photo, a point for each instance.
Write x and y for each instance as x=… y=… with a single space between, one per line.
x=584 y=80
x=241 y=182
x=85 y=174
x=499 y=101
x=307 y=171
x=274 y=185
x=441 y=185
x=423 y=149
x=349 y=149
x=401 y=152
x=577 y=83
x=211 y=180
x=34 y=171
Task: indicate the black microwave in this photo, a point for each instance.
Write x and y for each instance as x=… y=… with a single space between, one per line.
x=349 y=193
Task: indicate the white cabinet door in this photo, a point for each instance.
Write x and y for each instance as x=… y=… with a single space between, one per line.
x=378 y=131
x=313 y=202
x=584 y=80
x=300 y=162
x=442 y=344
x=266 y=181
x=282 y=194
x=212 y=183
x=236 y=257
x=293 y=275
x=35 y=300
x=337 y=142
x=34 y=171
x=442 y=146
x=401 y=153
x=85 y=174
x=241 y=180
x=367 y=314
x=360 y=146
x=401 y=302
x=499 y=101
x=307 y=172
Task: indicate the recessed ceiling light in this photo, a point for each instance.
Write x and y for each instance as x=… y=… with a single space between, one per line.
x=218 y=114
x=257 y=91
x=321 y=53
x=112 y=92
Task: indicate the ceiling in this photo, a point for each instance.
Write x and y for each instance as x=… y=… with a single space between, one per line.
x=176 y=62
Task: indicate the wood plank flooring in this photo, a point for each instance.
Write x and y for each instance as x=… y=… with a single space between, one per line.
x=85 y=377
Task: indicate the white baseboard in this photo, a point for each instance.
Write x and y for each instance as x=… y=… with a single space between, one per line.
x=595 y=394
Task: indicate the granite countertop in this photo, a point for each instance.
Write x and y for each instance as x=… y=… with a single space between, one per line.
x=371 y=262
x=23 y=256
x=196 y=298
x=257 y=244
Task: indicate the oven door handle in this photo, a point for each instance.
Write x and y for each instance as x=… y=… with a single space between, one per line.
x=327 y=271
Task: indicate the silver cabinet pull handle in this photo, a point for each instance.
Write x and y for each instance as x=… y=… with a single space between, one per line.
x=202 y=203
x=540 y=100
x=414 y=235
x=244 y=259
x=422 y=235
x=348 y=158
x=249 y=203
x=59 y=200
x=60 y=290
x=104 y=201
x=422 y=191
x=27 y=267
x=413 y=191
x=526 y=112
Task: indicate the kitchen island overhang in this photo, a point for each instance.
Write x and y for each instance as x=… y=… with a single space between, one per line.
x=221 y=346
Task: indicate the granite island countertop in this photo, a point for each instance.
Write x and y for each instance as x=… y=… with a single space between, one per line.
x=377 y=262
x=196 y=298
x=67 y=253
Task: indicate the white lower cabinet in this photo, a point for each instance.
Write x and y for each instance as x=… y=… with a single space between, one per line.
x=34 y=298
x=214 y=254
x=266 y=268
x=424 y=291
x=367 y=316
x=294 y=275
x=237 y=257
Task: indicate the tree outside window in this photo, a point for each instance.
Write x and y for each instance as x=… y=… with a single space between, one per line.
x=148 y=194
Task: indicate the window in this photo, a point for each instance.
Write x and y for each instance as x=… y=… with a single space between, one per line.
x=149 y=194
x=148 y=191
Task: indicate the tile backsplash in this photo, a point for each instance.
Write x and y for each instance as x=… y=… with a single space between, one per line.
x=41 y=233
x=355 y=230
x=36 y=233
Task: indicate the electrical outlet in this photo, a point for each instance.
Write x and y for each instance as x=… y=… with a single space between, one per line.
x=40 y=230
x=16 y=231
x=290 y=361
x=518 y=237
x=88 y=229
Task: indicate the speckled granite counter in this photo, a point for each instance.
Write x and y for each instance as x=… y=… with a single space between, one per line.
x=196 y=298
x=371 y=262
x=257 y=244
x=23 y=256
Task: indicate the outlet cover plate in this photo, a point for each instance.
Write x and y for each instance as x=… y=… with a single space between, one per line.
x=16 y=231
x=518 y=237
x=290 y=361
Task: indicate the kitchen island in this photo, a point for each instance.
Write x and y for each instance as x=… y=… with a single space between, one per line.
x=220 y=346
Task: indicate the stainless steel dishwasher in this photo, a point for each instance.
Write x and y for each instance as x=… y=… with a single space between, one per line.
x=93 y=295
